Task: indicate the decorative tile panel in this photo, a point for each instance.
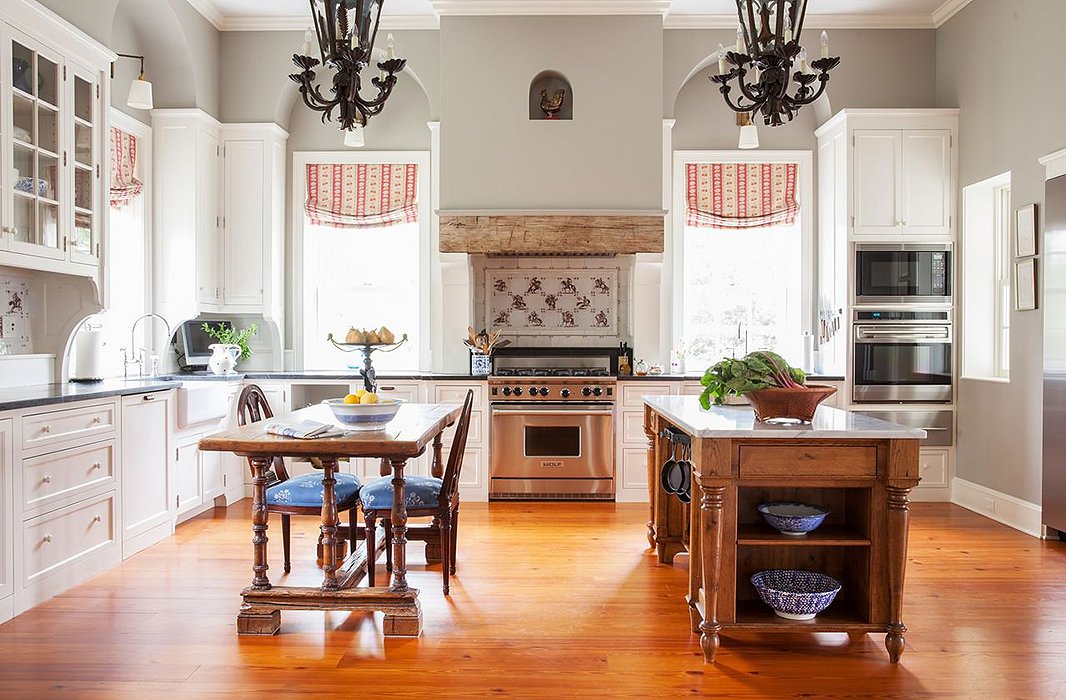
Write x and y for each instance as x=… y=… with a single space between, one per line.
x=544 y=301
x=15 y=315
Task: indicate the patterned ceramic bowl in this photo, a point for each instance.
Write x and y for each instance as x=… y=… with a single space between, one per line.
x=794 y=519
x=364 y=416
x=795 y=594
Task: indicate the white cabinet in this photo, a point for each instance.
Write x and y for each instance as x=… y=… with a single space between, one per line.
x=474 y=478
x=209 y=219
x=631 y=455
x=926 y=182
x=186 y=491
x=52 y=88
x=878 y=158
x=146 y=516
x=7 y=517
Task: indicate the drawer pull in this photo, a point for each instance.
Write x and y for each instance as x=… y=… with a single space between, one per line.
x=386 y=388
x=46 y=428
x=46 y=479
x=97 y=518
x=96 y=465
x=47 y=538
x=149 y=397
x=96 y=420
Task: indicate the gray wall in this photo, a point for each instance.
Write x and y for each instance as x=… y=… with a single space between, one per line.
x=996 y=60
x=494 y=157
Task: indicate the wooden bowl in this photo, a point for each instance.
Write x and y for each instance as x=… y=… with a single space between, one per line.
x=796 y=404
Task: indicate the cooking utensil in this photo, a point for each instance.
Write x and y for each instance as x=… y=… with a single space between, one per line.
x=667 y=475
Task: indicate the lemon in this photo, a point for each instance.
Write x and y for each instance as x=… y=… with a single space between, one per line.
x=368 y=398
x=360 y=392
x=351 y=398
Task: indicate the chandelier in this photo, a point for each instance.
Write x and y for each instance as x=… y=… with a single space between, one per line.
x=346 y=31
x=768 y=59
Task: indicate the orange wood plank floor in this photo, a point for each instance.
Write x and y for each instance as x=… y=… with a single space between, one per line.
x=551 y=600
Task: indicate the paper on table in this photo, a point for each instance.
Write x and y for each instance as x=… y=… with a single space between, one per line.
x=304 y=430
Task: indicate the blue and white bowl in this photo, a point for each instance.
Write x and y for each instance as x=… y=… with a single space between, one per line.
x=793 y=519
x=795 y=594
x=364 y=416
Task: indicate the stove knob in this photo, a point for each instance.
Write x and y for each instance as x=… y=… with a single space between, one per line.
x=507 y=391
x=544 y=391
x=598 y=391
x=518 y=391
x=565 y=393
x=586 y=391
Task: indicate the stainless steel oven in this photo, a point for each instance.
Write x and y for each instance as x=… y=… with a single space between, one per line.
x=903 y=273
x=902 y=357
x=552 y=450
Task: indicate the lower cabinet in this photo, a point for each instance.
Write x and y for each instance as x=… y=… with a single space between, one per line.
x=146 y=512
x=7 y=522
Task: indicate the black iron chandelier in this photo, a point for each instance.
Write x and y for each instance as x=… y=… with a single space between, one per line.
x=346 y=31
x=768 y=59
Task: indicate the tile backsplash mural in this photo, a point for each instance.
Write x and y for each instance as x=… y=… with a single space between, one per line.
x=550 y=301
x=16 y=303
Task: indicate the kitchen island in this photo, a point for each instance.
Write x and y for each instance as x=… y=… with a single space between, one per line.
x=861 y=469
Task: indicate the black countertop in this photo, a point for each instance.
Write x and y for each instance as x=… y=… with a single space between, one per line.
x=47 y=394
x=695 y=377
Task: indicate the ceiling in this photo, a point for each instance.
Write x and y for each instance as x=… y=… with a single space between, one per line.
x=236 y=15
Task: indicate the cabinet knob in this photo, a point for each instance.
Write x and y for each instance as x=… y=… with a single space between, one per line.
x=97 y=518
x=96 y=465
x=46 y=479
x=46 y=428
x=47 y=538
x=96 y=419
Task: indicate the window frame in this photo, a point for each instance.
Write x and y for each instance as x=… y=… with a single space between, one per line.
x=673 y=256
x=300 y=160
x=1001 y=235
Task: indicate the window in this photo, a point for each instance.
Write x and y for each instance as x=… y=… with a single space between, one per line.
x=986 y=279
x=739 y=270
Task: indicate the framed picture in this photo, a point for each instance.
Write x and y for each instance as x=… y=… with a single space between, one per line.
x=1025 y=285
x=1025 y=231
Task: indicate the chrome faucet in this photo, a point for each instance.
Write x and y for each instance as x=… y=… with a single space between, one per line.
x=139 y=358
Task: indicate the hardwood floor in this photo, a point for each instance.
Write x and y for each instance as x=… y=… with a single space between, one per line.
x=550 y=600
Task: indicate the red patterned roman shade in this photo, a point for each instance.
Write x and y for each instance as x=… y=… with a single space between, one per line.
x=124 y=186
x=741 y=195
x=348 y=195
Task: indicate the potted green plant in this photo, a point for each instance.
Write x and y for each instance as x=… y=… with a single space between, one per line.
x=776 y=390
x=232 y=346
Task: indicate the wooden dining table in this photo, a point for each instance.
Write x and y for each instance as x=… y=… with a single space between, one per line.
x=415 y=428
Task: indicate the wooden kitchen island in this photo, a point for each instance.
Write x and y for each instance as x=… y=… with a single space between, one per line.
x=860 y=468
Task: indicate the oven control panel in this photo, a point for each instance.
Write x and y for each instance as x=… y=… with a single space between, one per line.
x=582 y=389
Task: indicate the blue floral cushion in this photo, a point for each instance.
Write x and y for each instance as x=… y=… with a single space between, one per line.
x=419 y=491
x=306 y=490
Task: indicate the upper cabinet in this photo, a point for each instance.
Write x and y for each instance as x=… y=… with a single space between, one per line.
x=52 y=132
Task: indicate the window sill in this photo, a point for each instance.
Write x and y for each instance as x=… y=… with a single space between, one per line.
x=987 y=380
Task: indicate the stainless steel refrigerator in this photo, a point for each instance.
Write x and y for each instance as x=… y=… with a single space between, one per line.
x=1053 y=261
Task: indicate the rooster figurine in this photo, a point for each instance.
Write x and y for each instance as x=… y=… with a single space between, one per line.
x=551 y=106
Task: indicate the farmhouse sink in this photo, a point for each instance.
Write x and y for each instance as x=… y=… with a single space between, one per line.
x=203 y=402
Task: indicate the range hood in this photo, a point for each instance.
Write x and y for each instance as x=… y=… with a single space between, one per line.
x=537 y=232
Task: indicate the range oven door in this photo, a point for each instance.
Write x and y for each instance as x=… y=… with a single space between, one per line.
x=552 y=451
x=902 y=364
x=902 y=274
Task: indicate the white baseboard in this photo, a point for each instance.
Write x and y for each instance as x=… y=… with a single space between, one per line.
x=1001 y=507
x=231 y=496
x=7 y=609
x=138 y=543
x=931 y=494
x=638 y=495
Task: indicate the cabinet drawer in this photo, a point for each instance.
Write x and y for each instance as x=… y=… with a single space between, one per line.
x=634 y=468
x=58 y=475
x=473 y=437
x=808 y=461
x=60 y=538
x=473 y=469
x=633 y=428
x=633 y=392
x=933 y=468
x=456 y=393
x=73 y=423
x=408 y=391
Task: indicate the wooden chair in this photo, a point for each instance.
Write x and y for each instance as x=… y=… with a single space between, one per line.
x=299 y=495
x=426 y=496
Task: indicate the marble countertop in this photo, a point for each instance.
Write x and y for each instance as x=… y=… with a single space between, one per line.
x=739 y=422
x=46 y=394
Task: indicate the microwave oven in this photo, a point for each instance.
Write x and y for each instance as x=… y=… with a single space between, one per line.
x=903 y=273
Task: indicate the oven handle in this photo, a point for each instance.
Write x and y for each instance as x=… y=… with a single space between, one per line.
x=903 y=340
x=551 y=412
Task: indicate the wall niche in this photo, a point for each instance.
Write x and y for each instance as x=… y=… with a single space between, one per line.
x=551 y=97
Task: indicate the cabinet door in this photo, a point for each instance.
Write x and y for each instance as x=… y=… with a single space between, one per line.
x=84 y=116
x=37 y=181
x=876 y=180
x=211 y=475
x=246 y=223
x=926 y=182
x=209 y=249
x=7 y=513
x=186 y=484
x=145 y=458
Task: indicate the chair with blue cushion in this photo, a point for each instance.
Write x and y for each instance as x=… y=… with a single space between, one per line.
x=425 y=496
x=298 y=495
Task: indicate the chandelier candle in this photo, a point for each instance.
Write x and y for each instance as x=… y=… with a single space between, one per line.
x=768 y=48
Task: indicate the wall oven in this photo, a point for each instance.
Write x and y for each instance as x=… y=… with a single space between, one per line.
x=902 y=357
x=903 y=273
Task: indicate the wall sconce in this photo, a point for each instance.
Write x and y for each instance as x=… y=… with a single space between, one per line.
x=140 y=96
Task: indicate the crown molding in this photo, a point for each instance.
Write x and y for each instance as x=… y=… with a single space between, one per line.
x=550 y=7
x=949 y=9
x=301 y=22
x=839 y=21
x=211 y=13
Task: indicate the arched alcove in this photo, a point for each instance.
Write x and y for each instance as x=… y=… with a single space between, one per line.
x=550 y=97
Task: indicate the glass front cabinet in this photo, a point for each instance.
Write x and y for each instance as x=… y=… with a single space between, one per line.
x=52 y=173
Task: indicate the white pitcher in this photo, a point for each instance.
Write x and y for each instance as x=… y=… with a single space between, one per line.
x=223 y=358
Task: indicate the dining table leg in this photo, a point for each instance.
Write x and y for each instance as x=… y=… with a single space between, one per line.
x=399 y=527
x=260 y=466
x=330 y=521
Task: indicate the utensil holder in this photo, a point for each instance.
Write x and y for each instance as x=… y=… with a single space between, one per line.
x=480 y=365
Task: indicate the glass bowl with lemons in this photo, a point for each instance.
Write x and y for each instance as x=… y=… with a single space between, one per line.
x=364 y=410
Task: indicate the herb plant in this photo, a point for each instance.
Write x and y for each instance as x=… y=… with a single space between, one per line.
x=232 y=336
x=758 y=370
